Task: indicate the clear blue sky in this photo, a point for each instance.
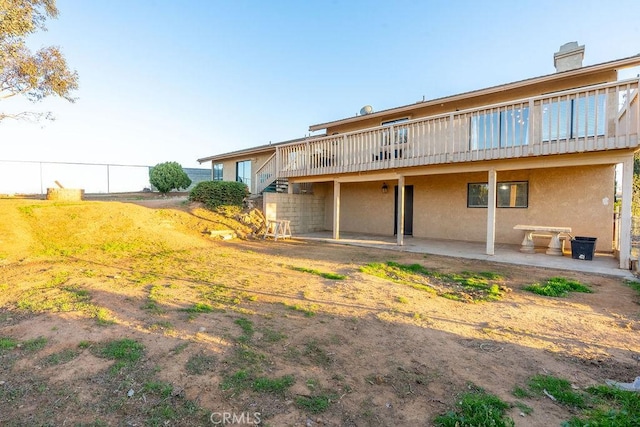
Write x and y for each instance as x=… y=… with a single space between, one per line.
x=168 y=80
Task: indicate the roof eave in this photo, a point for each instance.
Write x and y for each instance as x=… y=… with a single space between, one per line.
x=248 y=151
x=254 y=150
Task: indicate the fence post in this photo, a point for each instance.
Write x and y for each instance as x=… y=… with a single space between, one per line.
x=41 y=188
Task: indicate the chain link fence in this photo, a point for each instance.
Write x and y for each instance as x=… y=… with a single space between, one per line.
x=32 y=177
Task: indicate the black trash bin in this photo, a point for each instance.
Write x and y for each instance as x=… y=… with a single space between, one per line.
x=583 y=247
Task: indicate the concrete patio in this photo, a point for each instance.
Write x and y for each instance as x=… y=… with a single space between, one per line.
x=602 y=263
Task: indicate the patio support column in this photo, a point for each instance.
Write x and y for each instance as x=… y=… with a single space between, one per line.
x=336 y=209
x=625 y=213
x=491 y=212
x=400 y=208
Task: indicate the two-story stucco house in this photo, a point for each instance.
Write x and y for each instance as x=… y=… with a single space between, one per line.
x=467 y=167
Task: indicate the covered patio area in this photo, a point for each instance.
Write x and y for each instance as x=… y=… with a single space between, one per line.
x=602 y=263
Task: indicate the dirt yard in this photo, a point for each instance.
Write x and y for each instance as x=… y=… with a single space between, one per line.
x=115 y=313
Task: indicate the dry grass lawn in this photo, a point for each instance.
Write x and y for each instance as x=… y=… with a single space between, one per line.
x=117 y=313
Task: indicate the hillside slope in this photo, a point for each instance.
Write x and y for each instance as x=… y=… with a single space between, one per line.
x=35 y=228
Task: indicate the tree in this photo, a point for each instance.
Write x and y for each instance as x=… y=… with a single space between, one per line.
x=33 y=75
x=169 y=176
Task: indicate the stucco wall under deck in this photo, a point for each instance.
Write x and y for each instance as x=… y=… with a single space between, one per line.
x=364 y=208
x=577 y=197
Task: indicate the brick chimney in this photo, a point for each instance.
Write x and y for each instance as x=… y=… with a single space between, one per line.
x=569 y=57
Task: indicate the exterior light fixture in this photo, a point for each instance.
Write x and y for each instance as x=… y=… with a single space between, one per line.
x=385 y=188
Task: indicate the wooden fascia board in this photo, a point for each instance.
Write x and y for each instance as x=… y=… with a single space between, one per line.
x=537 y=162
x=235 y=154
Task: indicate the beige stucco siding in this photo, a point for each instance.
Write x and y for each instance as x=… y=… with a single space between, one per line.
x=364 y=207
x=577 y=197
x=228 y=170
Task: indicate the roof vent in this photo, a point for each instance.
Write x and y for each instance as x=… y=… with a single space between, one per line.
x=367 y=109
x=569 y=57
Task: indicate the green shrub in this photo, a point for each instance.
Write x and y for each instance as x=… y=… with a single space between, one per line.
x=168 y=176
x=219 y=193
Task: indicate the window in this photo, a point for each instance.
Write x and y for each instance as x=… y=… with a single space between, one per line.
x=573 y=118
x=498 y=129
x=509 y=194
x=513 y=195
x=217 y=172
x=477 y=195
x=243 y=172
x=400 y=133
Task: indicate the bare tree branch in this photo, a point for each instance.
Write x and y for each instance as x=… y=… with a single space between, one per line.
x=29 y=116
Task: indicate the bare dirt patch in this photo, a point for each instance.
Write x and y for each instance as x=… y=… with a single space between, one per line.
x=224 y=325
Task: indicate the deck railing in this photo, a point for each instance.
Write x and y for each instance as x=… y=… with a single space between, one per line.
x=594 y=118
x=266 y=174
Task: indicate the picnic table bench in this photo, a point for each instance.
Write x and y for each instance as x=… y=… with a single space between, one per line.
x=555 y=245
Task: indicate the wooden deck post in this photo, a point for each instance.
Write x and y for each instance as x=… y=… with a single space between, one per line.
x=400 y=210
x=336 y=209
x=491 y=212
x=625 y=213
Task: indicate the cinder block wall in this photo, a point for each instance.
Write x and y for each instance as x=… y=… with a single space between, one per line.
x=305 y=211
